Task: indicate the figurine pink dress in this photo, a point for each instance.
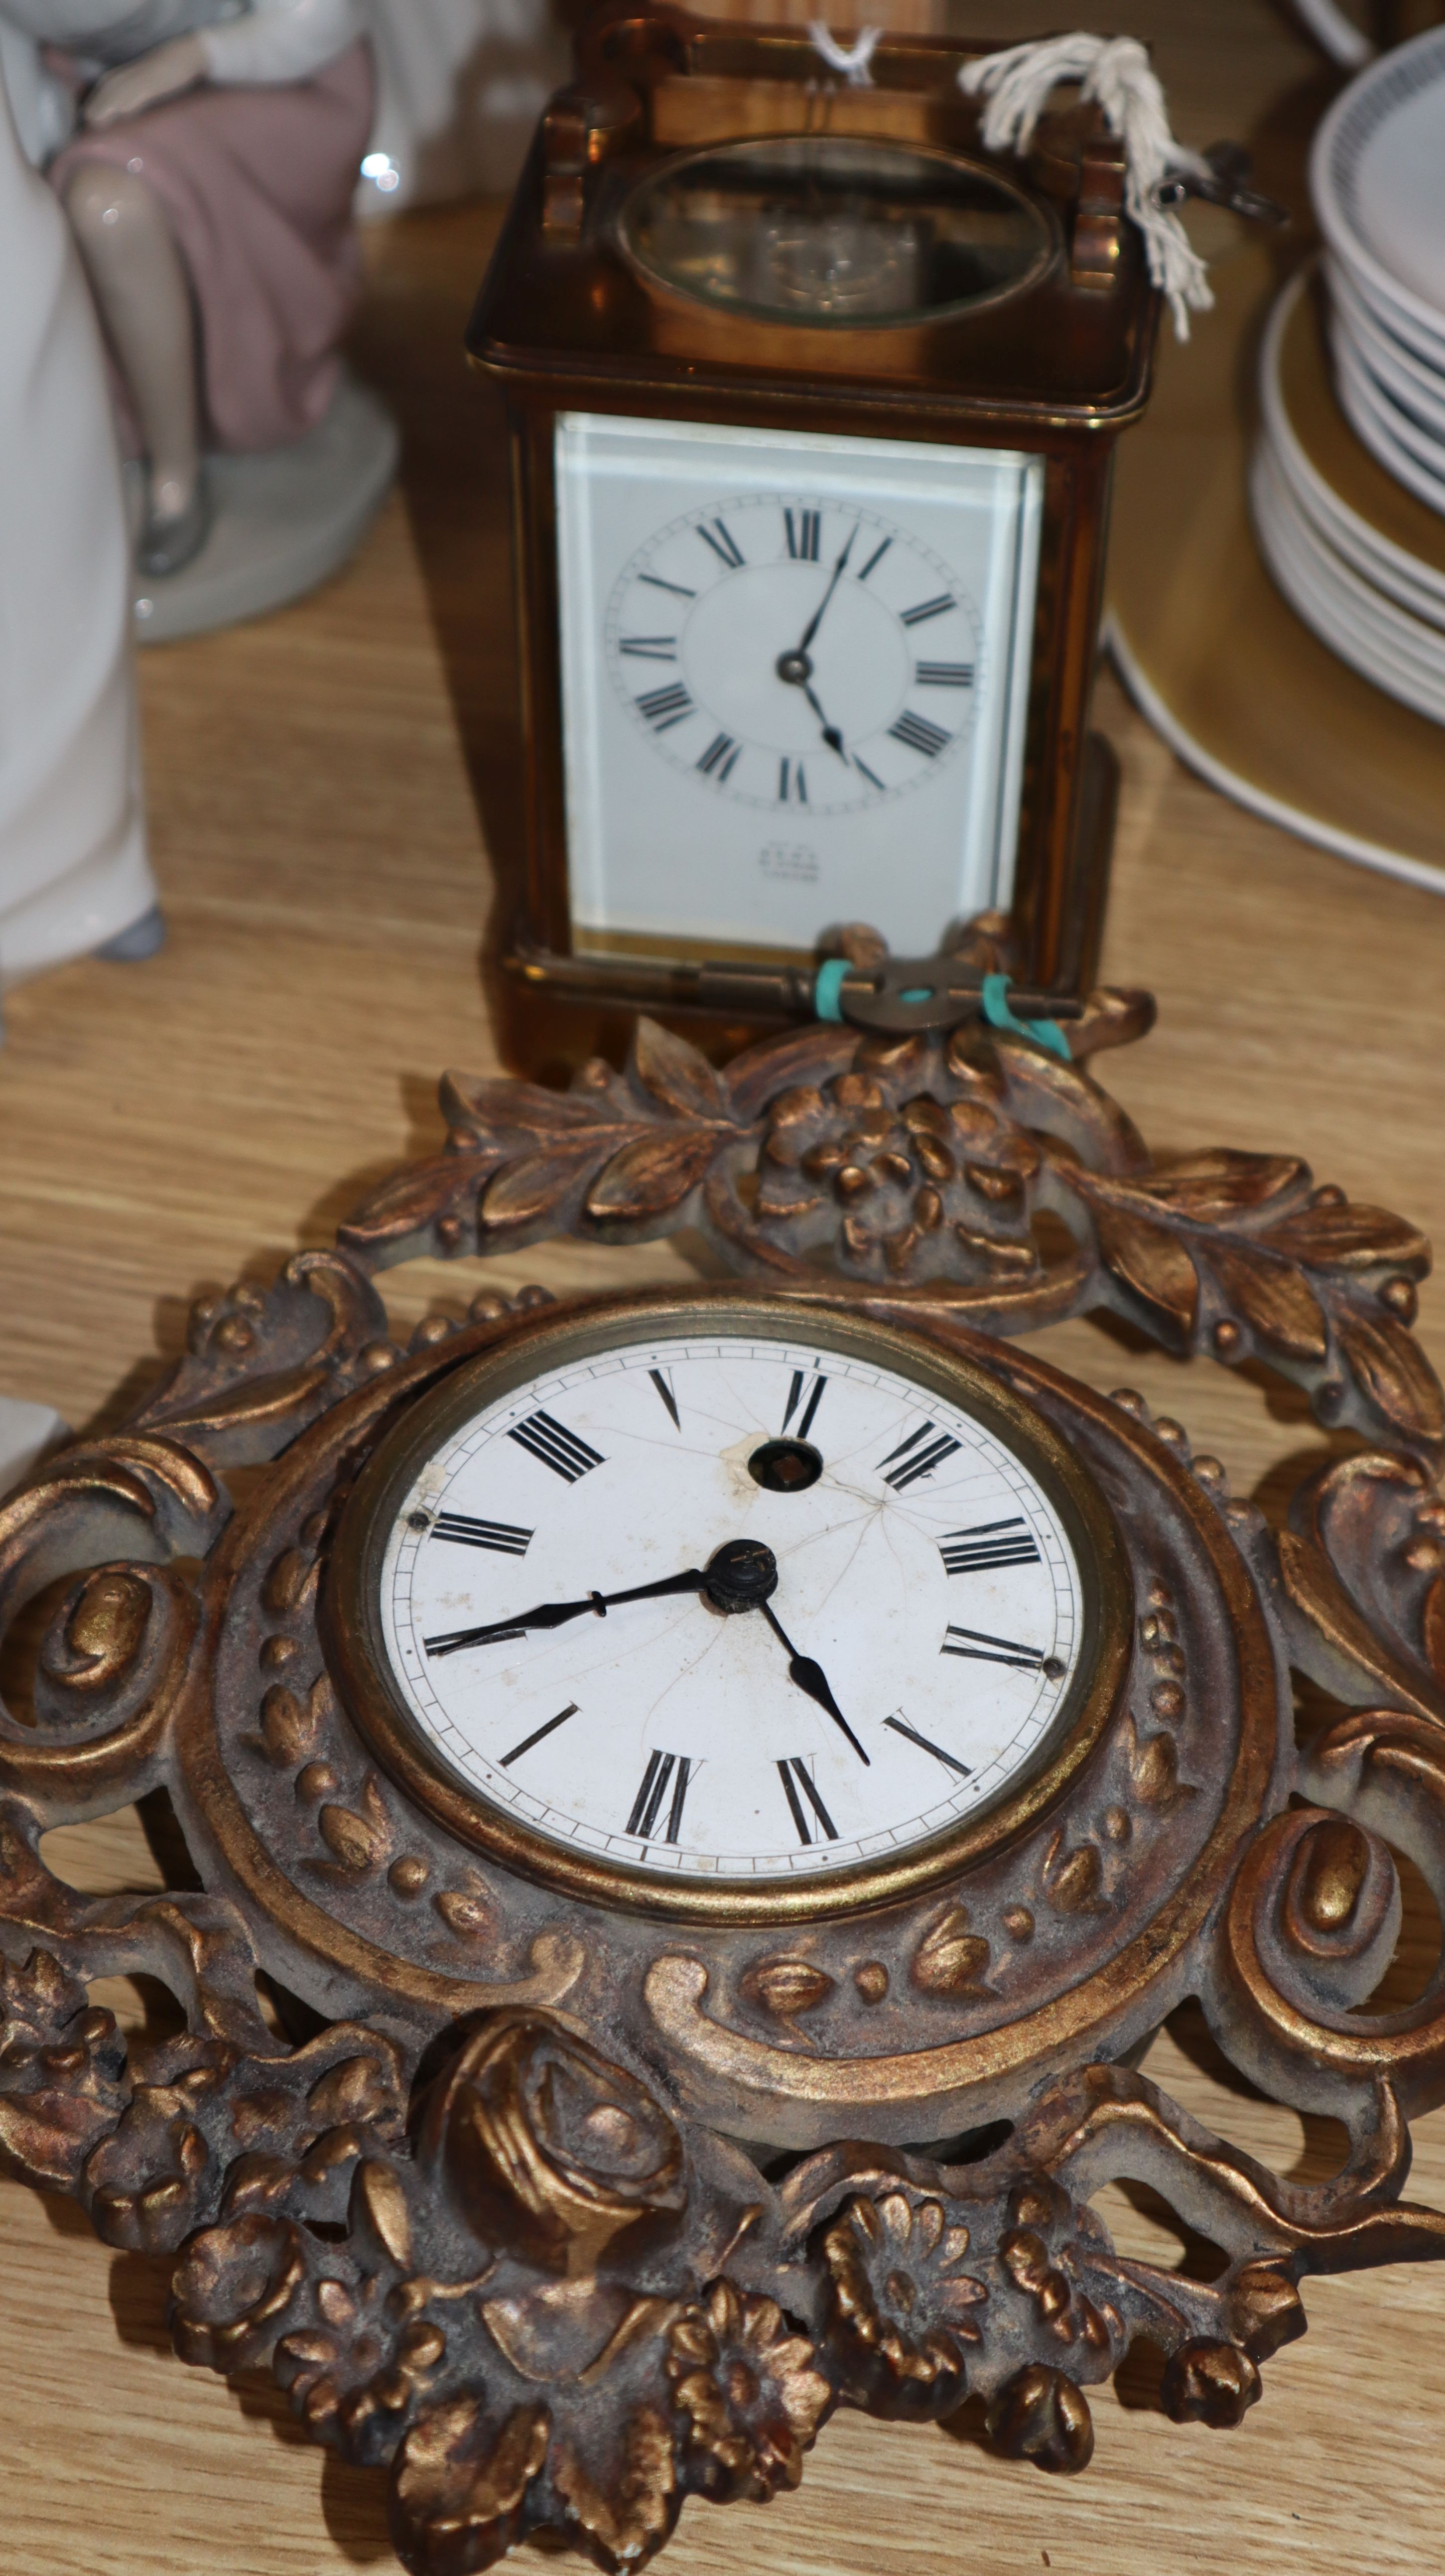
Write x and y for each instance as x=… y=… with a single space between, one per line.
x=230 y=135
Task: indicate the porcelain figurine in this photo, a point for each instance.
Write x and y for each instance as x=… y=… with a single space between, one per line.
x=74 y=874
x=208 y=176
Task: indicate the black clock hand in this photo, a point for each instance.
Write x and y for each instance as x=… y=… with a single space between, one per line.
x=831 y=735
x=816 y=620
x=555 y=1614
x=810 y=1677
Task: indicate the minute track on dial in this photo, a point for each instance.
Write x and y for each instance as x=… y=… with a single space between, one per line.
x=878 y=1687
x=842 y=655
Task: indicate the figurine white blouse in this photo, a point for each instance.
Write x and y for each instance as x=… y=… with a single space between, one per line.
x=267 y=41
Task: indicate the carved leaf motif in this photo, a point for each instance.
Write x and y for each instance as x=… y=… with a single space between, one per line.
x=653 y=1174
x=409 y=1202
x=286 y=1727
x=358 y=1841
x=786 y=1986
x=1154 y=1770
x=490 y=1107
x=629 y=2513
x=951 y=1960
x=458 y=2480
x=1347 y=1238
x=1073 y=1878
x=1394 y=1373
x=532 y=1188
x=1153 y=1262
x=677 y=1074
x=1220 y=1183
x=1273 y=1299
x=469 y=1916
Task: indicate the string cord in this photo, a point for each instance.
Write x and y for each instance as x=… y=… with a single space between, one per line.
x=1114 y=71
x=852 y=62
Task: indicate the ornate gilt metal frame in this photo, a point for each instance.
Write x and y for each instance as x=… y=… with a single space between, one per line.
x=565 y=2211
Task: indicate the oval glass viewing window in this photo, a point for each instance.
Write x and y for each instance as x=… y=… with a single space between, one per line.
x=834 y=232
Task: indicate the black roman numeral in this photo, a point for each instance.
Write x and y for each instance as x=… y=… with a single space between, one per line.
x=919 y=733
x=971 y=1551
x=794 y=1776
x=805 y=528
x=914 y=1461
x=927 y=608
x=721 y=757
x=926 y=1745
x=977 y=1647
x=800 y=1379
x=500 y=1536
x=650 y=648
x=664 y=707
x=875 y=558
x=944 y=675
x=666 y=1393
x=723 y=543
x=556 y=1446
x=792 y=785
x=656 y=582
x=535 y=1738
x=647 y=1805
x=870 y=774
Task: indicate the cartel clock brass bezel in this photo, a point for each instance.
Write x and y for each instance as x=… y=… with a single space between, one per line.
x=356 y=1651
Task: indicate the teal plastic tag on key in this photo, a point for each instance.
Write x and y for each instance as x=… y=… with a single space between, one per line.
x=1045 y=1033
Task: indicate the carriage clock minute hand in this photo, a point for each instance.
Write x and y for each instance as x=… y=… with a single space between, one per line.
x=810 y=1677
x=795 y=668
x=555 y=1614
x=816 y=620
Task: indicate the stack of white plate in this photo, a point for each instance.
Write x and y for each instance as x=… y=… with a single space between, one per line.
x=1361 y=561
x=1377 y=174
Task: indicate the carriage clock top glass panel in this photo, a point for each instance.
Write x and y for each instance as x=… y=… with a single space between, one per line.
x=811 y=403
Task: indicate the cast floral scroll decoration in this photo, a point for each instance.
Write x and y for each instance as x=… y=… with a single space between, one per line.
x=972 y=1174
x=495 y=2260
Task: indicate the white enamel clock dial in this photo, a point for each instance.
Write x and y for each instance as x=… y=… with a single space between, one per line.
x=795 y=681
x=906 y=1668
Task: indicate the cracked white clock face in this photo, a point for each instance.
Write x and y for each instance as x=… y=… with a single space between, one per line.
x=915 y=1617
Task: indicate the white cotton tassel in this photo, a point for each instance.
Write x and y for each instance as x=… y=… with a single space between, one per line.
x=852 y=62
x=1115 y=71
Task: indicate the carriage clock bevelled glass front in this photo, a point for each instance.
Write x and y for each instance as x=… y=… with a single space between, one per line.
x=812 y=404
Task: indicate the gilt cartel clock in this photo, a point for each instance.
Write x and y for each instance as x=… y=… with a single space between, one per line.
x=718 y=1788
x=811 y=402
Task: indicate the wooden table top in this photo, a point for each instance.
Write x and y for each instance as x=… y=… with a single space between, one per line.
x=325 y=787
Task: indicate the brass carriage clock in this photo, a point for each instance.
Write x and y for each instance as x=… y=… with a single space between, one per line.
x=812 y=403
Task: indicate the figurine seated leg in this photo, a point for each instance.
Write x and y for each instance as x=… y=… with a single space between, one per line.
x=217 y=231
x=140 y=286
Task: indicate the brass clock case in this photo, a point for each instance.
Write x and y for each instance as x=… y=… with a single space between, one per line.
x=564 y=2203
